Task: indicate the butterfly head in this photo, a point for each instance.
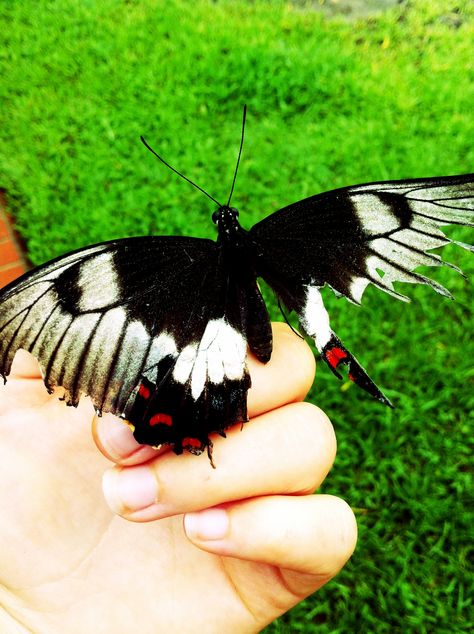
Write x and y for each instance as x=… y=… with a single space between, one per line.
x=226 y=219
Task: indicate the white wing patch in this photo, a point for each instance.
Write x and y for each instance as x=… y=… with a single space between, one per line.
x=219 y=355
x=421 y=235
x=395 y=250
x=357 y=288
x=401 y=222
x=162 y=346
x=375 y=216
x=98 y=283
x=315 y=318
x=129 y=362
x=185 y=363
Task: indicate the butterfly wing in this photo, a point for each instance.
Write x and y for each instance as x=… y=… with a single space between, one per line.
x=376 y=233
x=147 y=327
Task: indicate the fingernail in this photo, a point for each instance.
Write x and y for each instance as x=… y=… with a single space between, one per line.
x=117 y=440
x=207 y=525
x=129 y=489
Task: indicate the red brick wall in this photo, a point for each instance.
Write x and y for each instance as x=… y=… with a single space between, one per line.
x=12 y=260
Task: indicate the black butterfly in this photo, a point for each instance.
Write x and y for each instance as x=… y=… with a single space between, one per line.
x=156 y=329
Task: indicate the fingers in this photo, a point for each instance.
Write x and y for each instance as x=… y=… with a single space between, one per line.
x=312 y=535
x=24 y=387
x=25 y=366
x=288 y=450
x=115 y=440
x=286 y=378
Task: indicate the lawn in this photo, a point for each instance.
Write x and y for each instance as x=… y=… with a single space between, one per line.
x=330 y=103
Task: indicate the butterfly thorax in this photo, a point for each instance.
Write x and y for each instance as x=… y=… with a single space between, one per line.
x=233 y=239
x=248 y=311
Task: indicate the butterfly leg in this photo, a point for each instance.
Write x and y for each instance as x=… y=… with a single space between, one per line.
x=315 y=321
x=209 y=454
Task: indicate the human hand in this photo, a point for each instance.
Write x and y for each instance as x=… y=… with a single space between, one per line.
x=68 y=564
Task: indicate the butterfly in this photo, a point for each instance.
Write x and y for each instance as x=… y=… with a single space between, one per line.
x=156 y=329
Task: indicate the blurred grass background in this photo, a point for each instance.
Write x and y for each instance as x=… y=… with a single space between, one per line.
x=331 y=102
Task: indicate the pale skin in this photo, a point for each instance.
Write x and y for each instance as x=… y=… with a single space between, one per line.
x=214 y=550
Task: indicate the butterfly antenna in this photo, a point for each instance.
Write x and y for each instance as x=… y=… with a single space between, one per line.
x=142 y=139
x=240 y=153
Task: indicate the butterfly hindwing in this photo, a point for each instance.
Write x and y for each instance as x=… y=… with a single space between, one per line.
x=202 y=390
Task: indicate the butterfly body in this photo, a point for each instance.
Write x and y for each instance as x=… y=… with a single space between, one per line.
x=156 y=329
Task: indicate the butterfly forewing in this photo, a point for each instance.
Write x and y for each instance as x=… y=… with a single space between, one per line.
x=147 y=327
x=375 y=233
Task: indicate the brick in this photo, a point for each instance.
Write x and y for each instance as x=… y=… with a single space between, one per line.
x=8 y=253
x=3 y=228
x=9 y=274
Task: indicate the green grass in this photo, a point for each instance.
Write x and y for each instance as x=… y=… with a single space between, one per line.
x=330 y=103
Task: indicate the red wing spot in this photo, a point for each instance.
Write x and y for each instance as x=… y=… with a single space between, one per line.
x=144 y=392
x=164 y=419
x=192 y=442
x=351 y=377
x=335 y=356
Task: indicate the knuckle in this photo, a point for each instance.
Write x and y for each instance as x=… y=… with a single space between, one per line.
x=346 y=536
x=334 y=526
x=317 y=429
x=317 y=444
x=302 y=366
